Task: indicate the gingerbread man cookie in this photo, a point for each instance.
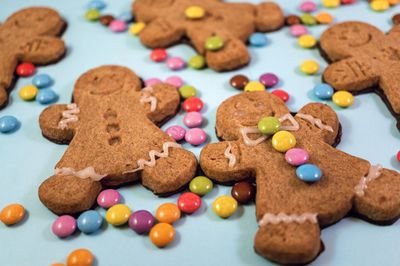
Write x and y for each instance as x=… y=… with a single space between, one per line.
x=170 y=21
x=364 y=60
x=28 y=35
x=290 y=211
x=113 y=140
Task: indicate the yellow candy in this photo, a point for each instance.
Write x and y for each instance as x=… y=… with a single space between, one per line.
x=380 y=5
x=224 y=206
x=330 y=3
x=283 y=141
x=307 y=41
x=343 y=98
x=324 y=18
x=136 y=28
x=118 y=214
x=92 y=15
x=194 y=12
x=309 y=67
x=254 y=86
x=28 y=92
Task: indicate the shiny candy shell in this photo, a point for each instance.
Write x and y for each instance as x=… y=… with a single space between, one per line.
x=309 y=67
x=118 y=214
x=193 y=119
x=92 y=15
x=258 y=39
x=80 y=257
x=141 y=221
x=46 y=96
x=105 y=20
x=118 y=25
x=308 y=6
x=136 y=28
x=297 y=156
x=307 y=41
x=96 y=4
x=89 y=221
x=330 y=3
x=214 y=43
x=323 y=91
x=201 y=185
x=343 y=98
x=158 y=55
x=197 y=62
x=224 y=206
x=187 y=91
x=309 y=173
x=283 y=95
x=189 y=202
x=42 y=81
x=195 y=12
x=64 y=226
x=239 y=81
x=151 y=82
x=25 y=69
x=297 y=30
x=324 y=18
x=396 y=19
x=243 y=192
x=398 y=156
x=175 y=63
x=269 y=125
x=308 y=19
x=168 y=213
x=269 y=80
x=192 y=104
x=108 y=198
x=12 y=214
x=195 y=136
x=175 y=81
x=176 y=132
x=283 y=141
x=254 y=86
x=8 y=124
x=28 y=92
x=380 y=5
x=162 y=234
x=292 y=20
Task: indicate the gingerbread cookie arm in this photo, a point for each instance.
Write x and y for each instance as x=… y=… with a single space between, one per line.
x=389 y=83
x=8 y=62
x=269 y=17
x=42 y=50
x=161 y=33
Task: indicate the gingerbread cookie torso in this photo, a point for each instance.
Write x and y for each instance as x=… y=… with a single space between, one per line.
x=28 y=35
x=167 y=24
x=290 y=212
x=113 y=140
x=364 y=59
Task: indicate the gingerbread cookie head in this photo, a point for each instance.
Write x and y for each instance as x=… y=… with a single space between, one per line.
x=290 y=205
x=364 y=59
x=168 y=22
x=113 y=140
x=28 y=35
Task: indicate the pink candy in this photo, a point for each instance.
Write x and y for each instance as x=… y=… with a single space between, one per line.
x=298 y=30
x=175 y=63
x=151 y=81
x=176 y=132
x=118 y=26
x=296 y=156
x=308 y=6
x=64 y=226
x=195 y=136
x=193 y=119
x=175 y=81
x=108 y=198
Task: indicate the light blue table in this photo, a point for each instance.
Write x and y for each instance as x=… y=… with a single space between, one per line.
x=26 y=158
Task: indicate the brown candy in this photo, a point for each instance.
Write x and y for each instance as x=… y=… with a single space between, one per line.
x=239 y=81
x=106 y=19
x=396 y=19
x=243 y=192
x=292 y=20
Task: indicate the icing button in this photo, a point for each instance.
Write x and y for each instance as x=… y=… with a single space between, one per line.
x=195 y=12
x=297 y=156
x=309 y=173
x=269 y=125
x=283 y=141
x=214 y=43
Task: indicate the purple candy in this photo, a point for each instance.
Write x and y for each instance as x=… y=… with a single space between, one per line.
x=176 y=132
x=269 y=80
x=193 y=119
x=108 y=198
x=195 y=136
x=296 y=156
x=175 y=81
x=298 y=30
x=308 y=6
x=64 y=226
x=175 y=63
x=141 y=221
x=118 y=25
x=152 y=81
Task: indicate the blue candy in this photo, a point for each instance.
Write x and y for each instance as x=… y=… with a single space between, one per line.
x=96 y=4
x=126 y=16
x=258 y=39
x=8 y=124
x=41 y=80
x=309 y=172
x=323 y=91
x=89 y=221
x=46 y=96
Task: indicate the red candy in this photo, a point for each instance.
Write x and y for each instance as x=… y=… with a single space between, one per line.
x=281 y=94
x=398 y=156
x=25 y=69
x=192 y=104
x=158 y=55
x=189 y=202
x=348 y=2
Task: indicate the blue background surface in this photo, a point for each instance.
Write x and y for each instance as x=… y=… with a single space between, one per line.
x=26 y=158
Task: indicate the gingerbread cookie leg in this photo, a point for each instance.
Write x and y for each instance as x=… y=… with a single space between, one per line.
x=42 y=50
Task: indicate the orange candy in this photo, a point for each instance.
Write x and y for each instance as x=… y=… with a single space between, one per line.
x=57 y=264
x=168 y=213
x=12 y=214
x=162 y=234
x=324 y=18
x=80 y=257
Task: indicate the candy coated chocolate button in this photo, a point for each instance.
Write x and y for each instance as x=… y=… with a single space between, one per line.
x=269 y=125
x=106 y=20
x=297 y=30
x=308 y=6
x=187 y=91
x=168 y=213
x=12 y=214
x=92 y=15
x=80 y=257
x=8 y=124
x=283 y=95
x=89 y=221
x=307 y=41
x=323 y=91
x=396 y=19
x=158 y=55
x=214 y=43
x=175 y=63
x=379 y=5
x=308 y=19
x=193 y=119
x=292 y=20
x=201 y=185
x=258 y=39
x=96 y=4
x=224 y=206
x=243 y=192
x=28 y=92
x=118 y=26
x=283 y=141
x=189 y=202
x=108 y=198
x=309 y=173
x=195 y=136
x=46 y=96
x=343 y=98
x=269 y=79
x=25 y=69
x=296 y=156
x=118 y=214
x=324 y=18
x=162 y=234
x=239 y=81
x=42 y=81
x=254 y=86
x=141 y=221
x=309 y=67
x=192 y=104
x=330 y=3
x=175 y=81
x=64 y=226
x=176 y=132
x=197 y=62
x=398 y=156
x=151 y=82
x=195 y=12
x=136 y=28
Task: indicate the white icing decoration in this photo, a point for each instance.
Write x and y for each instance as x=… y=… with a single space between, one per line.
x=315 y=121
x=231 y=157
x=373 y=173
x=87 y=172
x=147 y=98
x=270 y=218
x=69 y=115
x=152 y=154
x=295 y=125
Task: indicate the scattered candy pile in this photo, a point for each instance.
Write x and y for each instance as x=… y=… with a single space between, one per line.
x=39 y=90
x=12 y=214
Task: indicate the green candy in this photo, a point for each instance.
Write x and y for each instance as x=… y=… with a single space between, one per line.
x=214 y=43
x=308 y=19
x=92 y=15
x=187 y=91
x=201 y=185
x=269 y=125
x=197 y=62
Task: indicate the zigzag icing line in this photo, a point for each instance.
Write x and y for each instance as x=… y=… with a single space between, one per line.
x=69 y=115
x=270 y=218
